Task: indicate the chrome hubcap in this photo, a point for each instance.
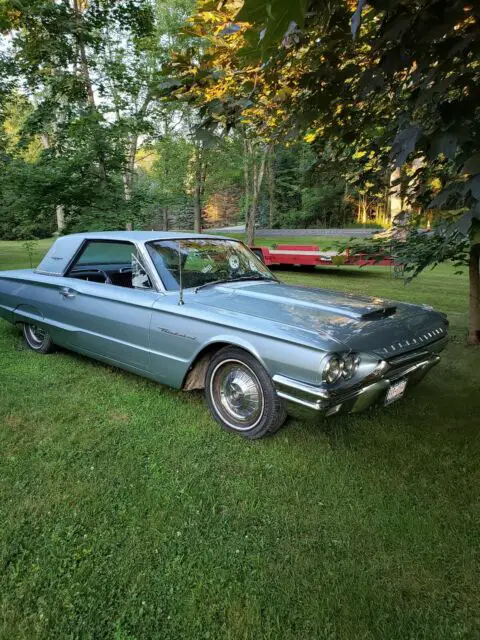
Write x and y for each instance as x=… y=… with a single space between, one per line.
x=237 y=394
x=36 y=334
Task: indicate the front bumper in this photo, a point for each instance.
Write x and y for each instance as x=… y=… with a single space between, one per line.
x=350 y=400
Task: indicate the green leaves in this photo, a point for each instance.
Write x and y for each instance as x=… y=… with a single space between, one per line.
x=445 y=143
x=91 y=73
x=472 y=165
x=404 y=144
x=273 y=21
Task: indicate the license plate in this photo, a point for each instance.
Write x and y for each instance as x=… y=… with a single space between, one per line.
x=396 y=391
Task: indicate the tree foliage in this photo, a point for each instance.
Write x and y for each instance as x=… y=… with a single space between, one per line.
x=402 y=91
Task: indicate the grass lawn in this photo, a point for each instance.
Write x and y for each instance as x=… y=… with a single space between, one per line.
x=127 y=513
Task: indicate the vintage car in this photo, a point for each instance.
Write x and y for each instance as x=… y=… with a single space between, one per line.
x=203 y=312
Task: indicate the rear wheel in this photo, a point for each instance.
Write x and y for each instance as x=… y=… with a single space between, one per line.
x=241 y=396
x=37 y=339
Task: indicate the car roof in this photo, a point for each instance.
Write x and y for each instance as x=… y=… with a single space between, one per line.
x=141 y=236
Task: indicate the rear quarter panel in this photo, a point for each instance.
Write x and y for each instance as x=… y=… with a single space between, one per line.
x=26 y=296
x=12 y=290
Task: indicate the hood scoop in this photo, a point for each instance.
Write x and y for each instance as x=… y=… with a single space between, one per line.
x=379 y=314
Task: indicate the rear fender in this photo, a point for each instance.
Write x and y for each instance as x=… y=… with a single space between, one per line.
x=26 y=314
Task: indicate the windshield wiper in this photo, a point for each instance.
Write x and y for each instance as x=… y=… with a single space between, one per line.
x=239 y=279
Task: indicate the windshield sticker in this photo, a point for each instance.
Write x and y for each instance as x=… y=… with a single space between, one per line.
x=234 y=262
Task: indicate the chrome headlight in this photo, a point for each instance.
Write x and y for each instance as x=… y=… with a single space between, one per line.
x=333 y=369
x=338 y=366
x=350 y=365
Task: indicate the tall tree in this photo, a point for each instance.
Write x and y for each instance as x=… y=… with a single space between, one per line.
x=255 y=166
x=58 y=54
x=271 y=185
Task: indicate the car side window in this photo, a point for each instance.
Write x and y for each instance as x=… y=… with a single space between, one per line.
x=110 y=262
x=96 y=252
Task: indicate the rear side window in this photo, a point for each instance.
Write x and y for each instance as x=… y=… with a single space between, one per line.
x=105 y=253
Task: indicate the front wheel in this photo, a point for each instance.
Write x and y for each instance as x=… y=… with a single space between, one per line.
x=37 y=338
x=241 y=396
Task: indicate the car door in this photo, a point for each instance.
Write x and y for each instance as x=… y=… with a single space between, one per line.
x=111 y=321
x=174 y=338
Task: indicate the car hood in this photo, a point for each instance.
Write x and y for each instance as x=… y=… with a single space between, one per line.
x=360 y=323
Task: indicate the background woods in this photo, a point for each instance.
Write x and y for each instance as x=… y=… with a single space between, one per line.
x=93 y=137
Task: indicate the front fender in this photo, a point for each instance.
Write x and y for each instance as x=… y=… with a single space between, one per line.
x=231 y=340
x=277 y=357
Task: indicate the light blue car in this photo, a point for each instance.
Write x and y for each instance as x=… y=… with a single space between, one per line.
x=203 y=312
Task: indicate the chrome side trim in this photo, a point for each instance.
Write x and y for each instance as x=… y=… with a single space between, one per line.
x=317 y=406
x=48 y=273
x=419 y=365
x=303 y=387
x=407 y=357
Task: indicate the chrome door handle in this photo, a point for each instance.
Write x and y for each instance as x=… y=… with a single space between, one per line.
x=65 y=292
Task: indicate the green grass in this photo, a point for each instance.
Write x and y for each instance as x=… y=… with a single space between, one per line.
x=14 y=255
x=127 y=513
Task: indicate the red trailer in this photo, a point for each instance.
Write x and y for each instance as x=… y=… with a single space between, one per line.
x=312 y=256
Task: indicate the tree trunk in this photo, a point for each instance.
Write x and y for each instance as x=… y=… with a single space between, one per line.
x=200 y=177
x=129 y=171
x=85 y=73
x=474 y=273
x=130 y=168
x=345 y=203
x=127 y=185
x=59 y=209
x=197 y=200
x=362 y=209
x=165 y=218
x=246 y=177
x=258 y=171
x=395 y=204
x=271 y=186
x=197 y=210
x=83 y=58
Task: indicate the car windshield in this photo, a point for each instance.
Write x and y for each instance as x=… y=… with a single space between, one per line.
x=204 y=262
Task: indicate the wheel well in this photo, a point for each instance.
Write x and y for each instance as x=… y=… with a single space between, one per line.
x=195 y=376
